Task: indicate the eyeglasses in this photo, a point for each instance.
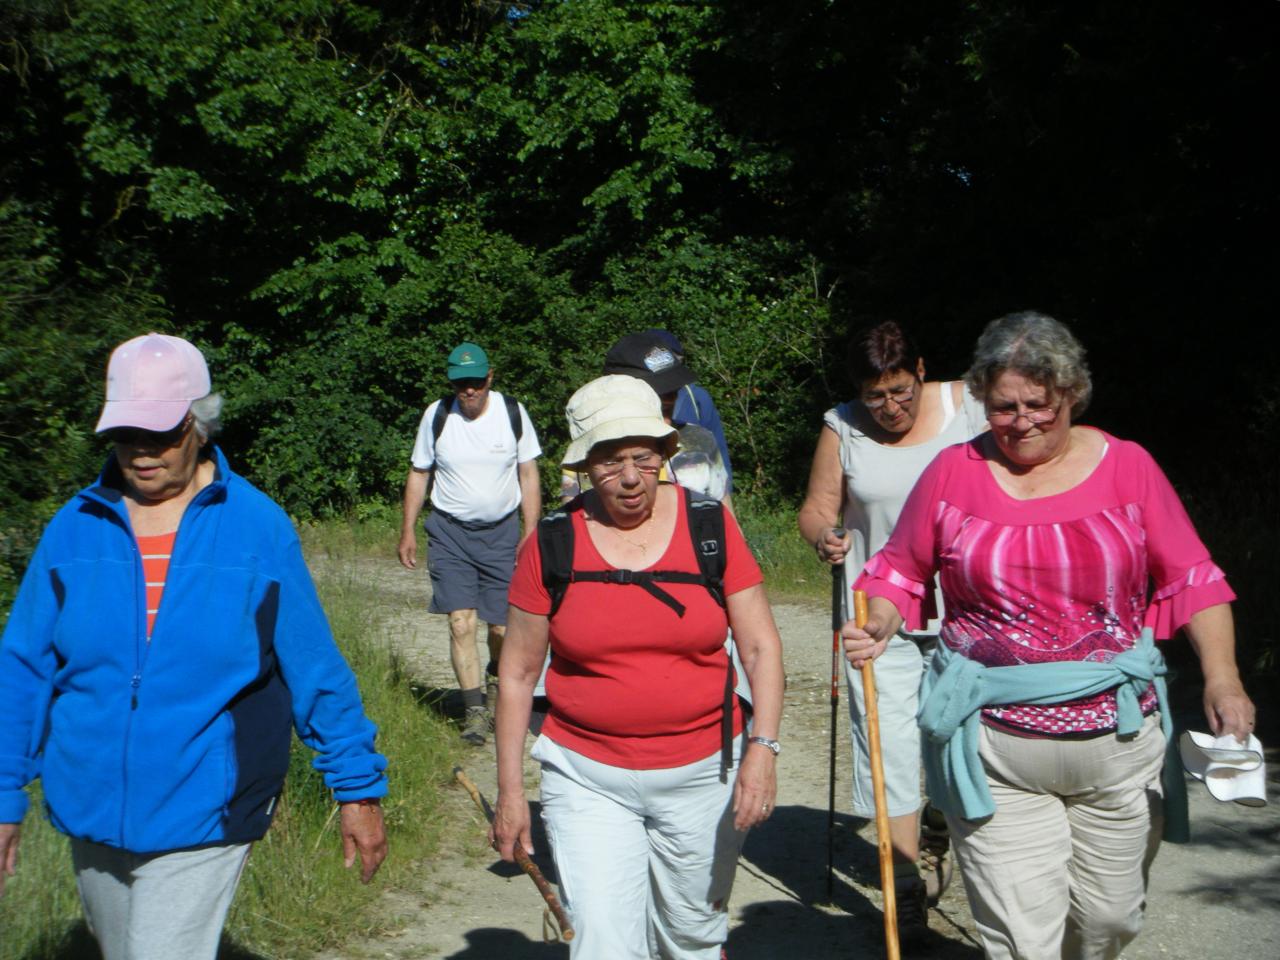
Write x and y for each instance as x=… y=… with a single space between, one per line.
x=468 y=383
x=137 y=437
x=1037 y=415
x=874 y=401
x=612 y=467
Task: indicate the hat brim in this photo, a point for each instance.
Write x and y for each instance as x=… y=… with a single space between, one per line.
x=664 y=381
x=474 y=370
x=155 y=415
x=653 y=428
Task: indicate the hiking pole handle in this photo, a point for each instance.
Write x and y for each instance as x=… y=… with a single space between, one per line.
x=521 y=858
x=885 y=848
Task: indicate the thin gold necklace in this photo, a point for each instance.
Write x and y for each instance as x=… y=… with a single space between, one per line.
x=643 y=545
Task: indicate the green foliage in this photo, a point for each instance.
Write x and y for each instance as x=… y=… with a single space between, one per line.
x=327 y=195
x=55 y=333
x=792 y=573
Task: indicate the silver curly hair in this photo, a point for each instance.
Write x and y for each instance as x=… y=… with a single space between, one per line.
x=1036 y=346
x=207 y=414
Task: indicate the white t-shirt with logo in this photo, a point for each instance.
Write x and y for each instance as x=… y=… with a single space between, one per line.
x=475 y=463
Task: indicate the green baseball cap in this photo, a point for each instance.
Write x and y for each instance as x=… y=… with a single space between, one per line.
x=468 y=360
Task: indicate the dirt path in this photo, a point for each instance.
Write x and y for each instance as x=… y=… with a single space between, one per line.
x=1216 y=897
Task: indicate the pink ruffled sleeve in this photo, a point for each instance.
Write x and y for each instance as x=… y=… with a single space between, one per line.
x=1186 y=578
x=902 y=571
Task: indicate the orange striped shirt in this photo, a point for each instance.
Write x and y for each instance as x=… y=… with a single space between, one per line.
x=155 y=569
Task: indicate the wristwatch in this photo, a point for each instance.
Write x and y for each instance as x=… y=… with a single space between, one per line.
x=773 y=745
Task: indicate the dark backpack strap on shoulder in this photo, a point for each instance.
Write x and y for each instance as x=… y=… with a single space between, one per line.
x=437 y=428
x=442 y=414
x=705 y=516
x=517 y=422
x=555 y=547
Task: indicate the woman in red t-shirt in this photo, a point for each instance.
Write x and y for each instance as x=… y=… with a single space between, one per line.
x=644 y=818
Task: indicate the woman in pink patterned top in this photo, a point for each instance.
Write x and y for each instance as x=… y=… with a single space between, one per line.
x=1044 y=536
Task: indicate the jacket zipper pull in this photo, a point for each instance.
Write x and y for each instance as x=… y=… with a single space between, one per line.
x=134 y=684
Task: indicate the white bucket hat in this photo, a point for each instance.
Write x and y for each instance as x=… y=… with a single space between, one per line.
x=611 y=408
x=1232 y=769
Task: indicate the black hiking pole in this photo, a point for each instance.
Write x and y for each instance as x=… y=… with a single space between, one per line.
x=837 y=621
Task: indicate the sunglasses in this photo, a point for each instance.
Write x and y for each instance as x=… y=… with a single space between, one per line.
x=137 y=437
x=468 y=383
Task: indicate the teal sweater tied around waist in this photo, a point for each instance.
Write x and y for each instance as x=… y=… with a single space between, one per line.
x=955 y=690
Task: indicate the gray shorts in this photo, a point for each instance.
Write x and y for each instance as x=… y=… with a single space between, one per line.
x=471 y=564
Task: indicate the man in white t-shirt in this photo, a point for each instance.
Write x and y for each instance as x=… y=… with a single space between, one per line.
x=476 y=460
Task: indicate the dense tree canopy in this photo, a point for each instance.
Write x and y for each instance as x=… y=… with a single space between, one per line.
x=327 y=194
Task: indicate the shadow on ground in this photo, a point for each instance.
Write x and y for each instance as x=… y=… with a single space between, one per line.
x=790 y=857
x=489 y=942
x=77 y=943
x=446 y=702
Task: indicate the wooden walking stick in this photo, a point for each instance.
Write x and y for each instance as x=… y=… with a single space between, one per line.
x=837 y=614
x=877 y=787
x=522 y=860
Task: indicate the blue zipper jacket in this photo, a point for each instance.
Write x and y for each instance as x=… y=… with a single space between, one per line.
x=183 y=741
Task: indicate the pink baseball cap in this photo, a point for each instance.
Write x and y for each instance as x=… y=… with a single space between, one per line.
x=151 y=382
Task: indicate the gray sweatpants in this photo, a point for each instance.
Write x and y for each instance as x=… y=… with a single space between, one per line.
x=159 y=906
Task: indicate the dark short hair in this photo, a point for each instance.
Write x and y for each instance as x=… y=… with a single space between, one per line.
x=879 y=350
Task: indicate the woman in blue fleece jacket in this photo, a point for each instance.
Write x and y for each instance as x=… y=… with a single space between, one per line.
x=165 y=637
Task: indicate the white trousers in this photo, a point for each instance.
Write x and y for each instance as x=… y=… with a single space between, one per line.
x=1059 y=872
x=159 y=906
x=646 y=858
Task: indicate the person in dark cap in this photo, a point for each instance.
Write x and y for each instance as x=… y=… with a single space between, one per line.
x=693 y=403
x=699 y=464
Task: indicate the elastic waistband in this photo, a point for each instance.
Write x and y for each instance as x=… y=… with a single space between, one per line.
x=474 y=525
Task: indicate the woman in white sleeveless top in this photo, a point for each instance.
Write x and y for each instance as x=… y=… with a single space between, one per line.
x=870 y=453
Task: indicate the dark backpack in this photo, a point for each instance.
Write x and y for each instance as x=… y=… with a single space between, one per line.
x=705 y=519
x=442 y=415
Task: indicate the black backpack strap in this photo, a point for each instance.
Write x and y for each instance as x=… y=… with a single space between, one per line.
x=555 y=547
x=705 y=516
x=517 y=422
x=437 y=428
x=442 y=414
x=646 y=580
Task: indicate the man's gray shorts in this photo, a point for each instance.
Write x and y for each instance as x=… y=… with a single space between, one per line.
x=471 y=564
